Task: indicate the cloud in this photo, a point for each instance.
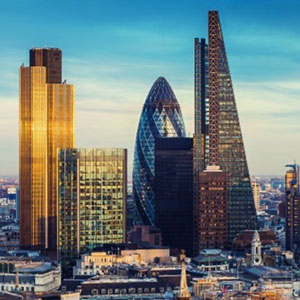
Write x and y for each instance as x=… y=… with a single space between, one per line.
x=109 y=99
x=269 y=114
x=9 y=127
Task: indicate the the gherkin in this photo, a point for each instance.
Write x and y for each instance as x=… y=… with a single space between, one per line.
x=161 y=118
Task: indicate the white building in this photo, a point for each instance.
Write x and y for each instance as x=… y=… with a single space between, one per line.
x=256 y=194
x=91 y=264
x=22 y=275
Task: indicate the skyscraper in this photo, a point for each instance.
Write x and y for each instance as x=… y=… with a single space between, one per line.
x=218 y=138
x=92 y=189
x=161 y=117
x=292 y=208
x=51 y=58
x=46 y=124
x=173 y=192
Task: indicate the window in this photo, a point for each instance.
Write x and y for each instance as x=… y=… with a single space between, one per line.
x=94 y=292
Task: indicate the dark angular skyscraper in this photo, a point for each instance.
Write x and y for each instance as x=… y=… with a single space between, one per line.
x=173 y=192
x=161 y=118
x=218 y=139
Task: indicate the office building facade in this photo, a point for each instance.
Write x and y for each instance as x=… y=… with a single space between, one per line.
x=218 y=139
x=173 y=192
x=212 y=213
x=92 y=189
x=46 y=124
x=161 y=118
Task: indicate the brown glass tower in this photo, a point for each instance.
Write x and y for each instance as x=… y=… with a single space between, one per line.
x=51 y=59
x=46 y=124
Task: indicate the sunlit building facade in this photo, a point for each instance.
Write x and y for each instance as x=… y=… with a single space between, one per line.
x=92 y=185
x=46 y=124
x=161 y=118
x=218 y=138
x=256 y=194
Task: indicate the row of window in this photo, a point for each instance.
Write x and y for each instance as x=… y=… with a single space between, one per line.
x=127 y=291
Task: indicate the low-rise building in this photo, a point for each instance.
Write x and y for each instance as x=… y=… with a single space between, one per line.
x=28 y=276
x=109 y=286
x=92 y=263
x=279 y=278
x=210 y=260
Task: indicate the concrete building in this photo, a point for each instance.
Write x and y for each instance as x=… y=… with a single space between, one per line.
x=28 y=276
x=93 y=263
x=145 y=235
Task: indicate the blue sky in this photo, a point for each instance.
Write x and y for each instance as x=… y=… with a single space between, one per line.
x=114 y=50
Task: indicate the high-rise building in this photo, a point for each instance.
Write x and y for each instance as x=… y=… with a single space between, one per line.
x=50 y=58
x=46 y=124
x=218 y=139
x=18 y=204
x=161 y=117
x=256 y=194
x=173 y=192
x=211 y=214
x=292 y=207
x=92 y=189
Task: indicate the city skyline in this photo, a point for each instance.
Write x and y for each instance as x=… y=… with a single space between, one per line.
x=112 y=72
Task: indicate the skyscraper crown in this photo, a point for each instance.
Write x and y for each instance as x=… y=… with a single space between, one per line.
x=161 y=93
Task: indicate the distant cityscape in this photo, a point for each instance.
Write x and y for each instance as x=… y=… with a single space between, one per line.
x=188 y=223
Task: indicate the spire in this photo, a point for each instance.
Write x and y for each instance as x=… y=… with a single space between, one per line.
x=184 y=293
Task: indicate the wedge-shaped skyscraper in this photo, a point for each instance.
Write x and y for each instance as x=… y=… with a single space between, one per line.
x=161 y=118
x=218 y=136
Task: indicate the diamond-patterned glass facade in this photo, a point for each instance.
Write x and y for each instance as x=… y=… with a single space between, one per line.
x=161 y=118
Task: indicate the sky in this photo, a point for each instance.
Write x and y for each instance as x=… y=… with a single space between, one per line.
x=113 y=51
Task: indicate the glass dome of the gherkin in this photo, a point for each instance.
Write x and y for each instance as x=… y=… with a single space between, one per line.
x=161 y=117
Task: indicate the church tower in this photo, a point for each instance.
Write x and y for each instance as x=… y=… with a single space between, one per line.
x=184 y=293
x=256 y=259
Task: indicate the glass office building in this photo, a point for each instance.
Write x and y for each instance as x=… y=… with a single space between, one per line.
x=92 y=185
x=161 y=118
x=218 y=137
x=46 y=124
x=173 y=188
